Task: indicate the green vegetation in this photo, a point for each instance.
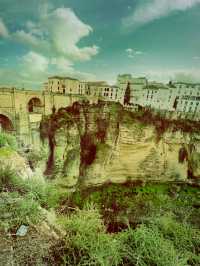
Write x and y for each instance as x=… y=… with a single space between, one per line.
x=16 y=210
x=114 y=224
x=8 y=140
x=129 y=224
x=144 y=225
x=87 y=242
x=23 y=199
x=161 y=241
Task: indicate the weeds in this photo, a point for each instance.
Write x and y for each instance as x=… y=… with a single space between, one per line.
x=8 y=140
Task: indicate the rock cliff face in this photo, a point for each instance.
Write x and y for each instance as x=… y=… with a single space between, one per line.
x=98 y=143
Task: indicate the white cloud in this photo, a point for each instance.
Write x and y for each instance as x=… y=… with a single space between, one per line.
x=62 y=64
x=3 y=29
x=196 y=58
x=34 y=63
x=54 y=44
x=26 y=37
x=58 y=33
x=154 y=9
x=185 y=75
x=132 y=53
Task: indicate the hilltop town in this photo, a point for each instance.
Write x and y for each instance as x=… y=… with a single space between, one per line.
x=175 y=96
x=21 y=110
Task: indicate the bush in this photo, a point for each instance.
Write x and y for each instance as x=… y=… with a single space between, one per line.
x=87 y=242
x=45 y=193
x=146 y=246
x=184 y=237
x=8 y=140
x=34 y=157
x=7 y=178
x=16 y=210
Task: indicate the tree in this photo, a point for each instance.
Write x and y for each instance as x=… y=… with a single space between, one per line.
x=127 y=95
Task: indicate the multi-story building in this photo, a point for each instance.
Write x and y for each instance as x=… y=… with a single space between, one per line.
x=83 y=88
x=64 y=85
x=136 y=86
x=104 y=91
x=187 y=97
x=156 y=96
x=179 y=97
x=176 y=96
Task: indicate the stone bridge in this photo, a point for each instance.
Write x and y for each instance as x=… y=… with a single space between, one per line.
x=22 y=110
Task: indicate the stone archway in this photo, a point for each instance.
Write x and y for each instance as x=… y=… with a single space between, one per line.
x=34 y=105
x=6 y=124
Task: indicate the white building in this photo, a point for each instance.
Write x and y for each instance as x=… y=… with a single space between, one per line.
x=179 y=97
x=104 y=91
x=83 y=88
x=187 y=98
x=156 y=96
x=64 y=85
x=136 y=86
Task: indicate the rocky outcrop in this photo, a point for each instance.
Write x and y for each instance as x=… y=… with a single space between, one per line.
x=12 y=160
x=99 y=143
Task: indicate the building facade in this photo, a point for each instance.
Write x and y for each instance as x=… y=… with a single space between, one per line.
x=63 y=85
x=136 y=85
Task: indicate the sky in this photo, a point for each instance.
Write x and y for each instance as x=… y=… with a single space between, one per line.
x=98 y=39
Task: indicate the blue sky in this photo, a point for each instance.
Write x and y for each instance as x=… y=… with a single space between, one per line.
x=98 y=39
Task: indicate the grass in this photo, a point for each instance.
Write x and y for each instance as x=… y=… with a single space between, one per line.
x=147 y=246
x=16 y=210
x=87 y=241
x=161 y=241
x=156 y=224
x=165 y=231
x=8 y=140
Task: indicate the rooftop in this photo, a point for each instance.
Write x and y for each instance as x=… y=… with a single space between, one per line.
x=186 y=83
x=59 y=77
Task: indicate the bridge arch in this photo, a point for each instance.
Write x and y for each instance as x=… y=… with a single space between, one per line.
x=34 y=105
x=6 y=123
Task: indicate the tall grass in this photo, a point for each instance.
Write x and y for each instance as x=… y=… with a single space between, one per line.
x=8 y=140
x=87 y=242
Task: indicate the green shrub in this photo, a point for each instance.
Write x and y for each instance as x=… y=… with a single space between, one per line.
x=45 y=193
x=16 y=210
x=34 y=157
x=8 y=140
x=146 y=246
x=7 y=178
x=87 y=242
x=185 y=238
